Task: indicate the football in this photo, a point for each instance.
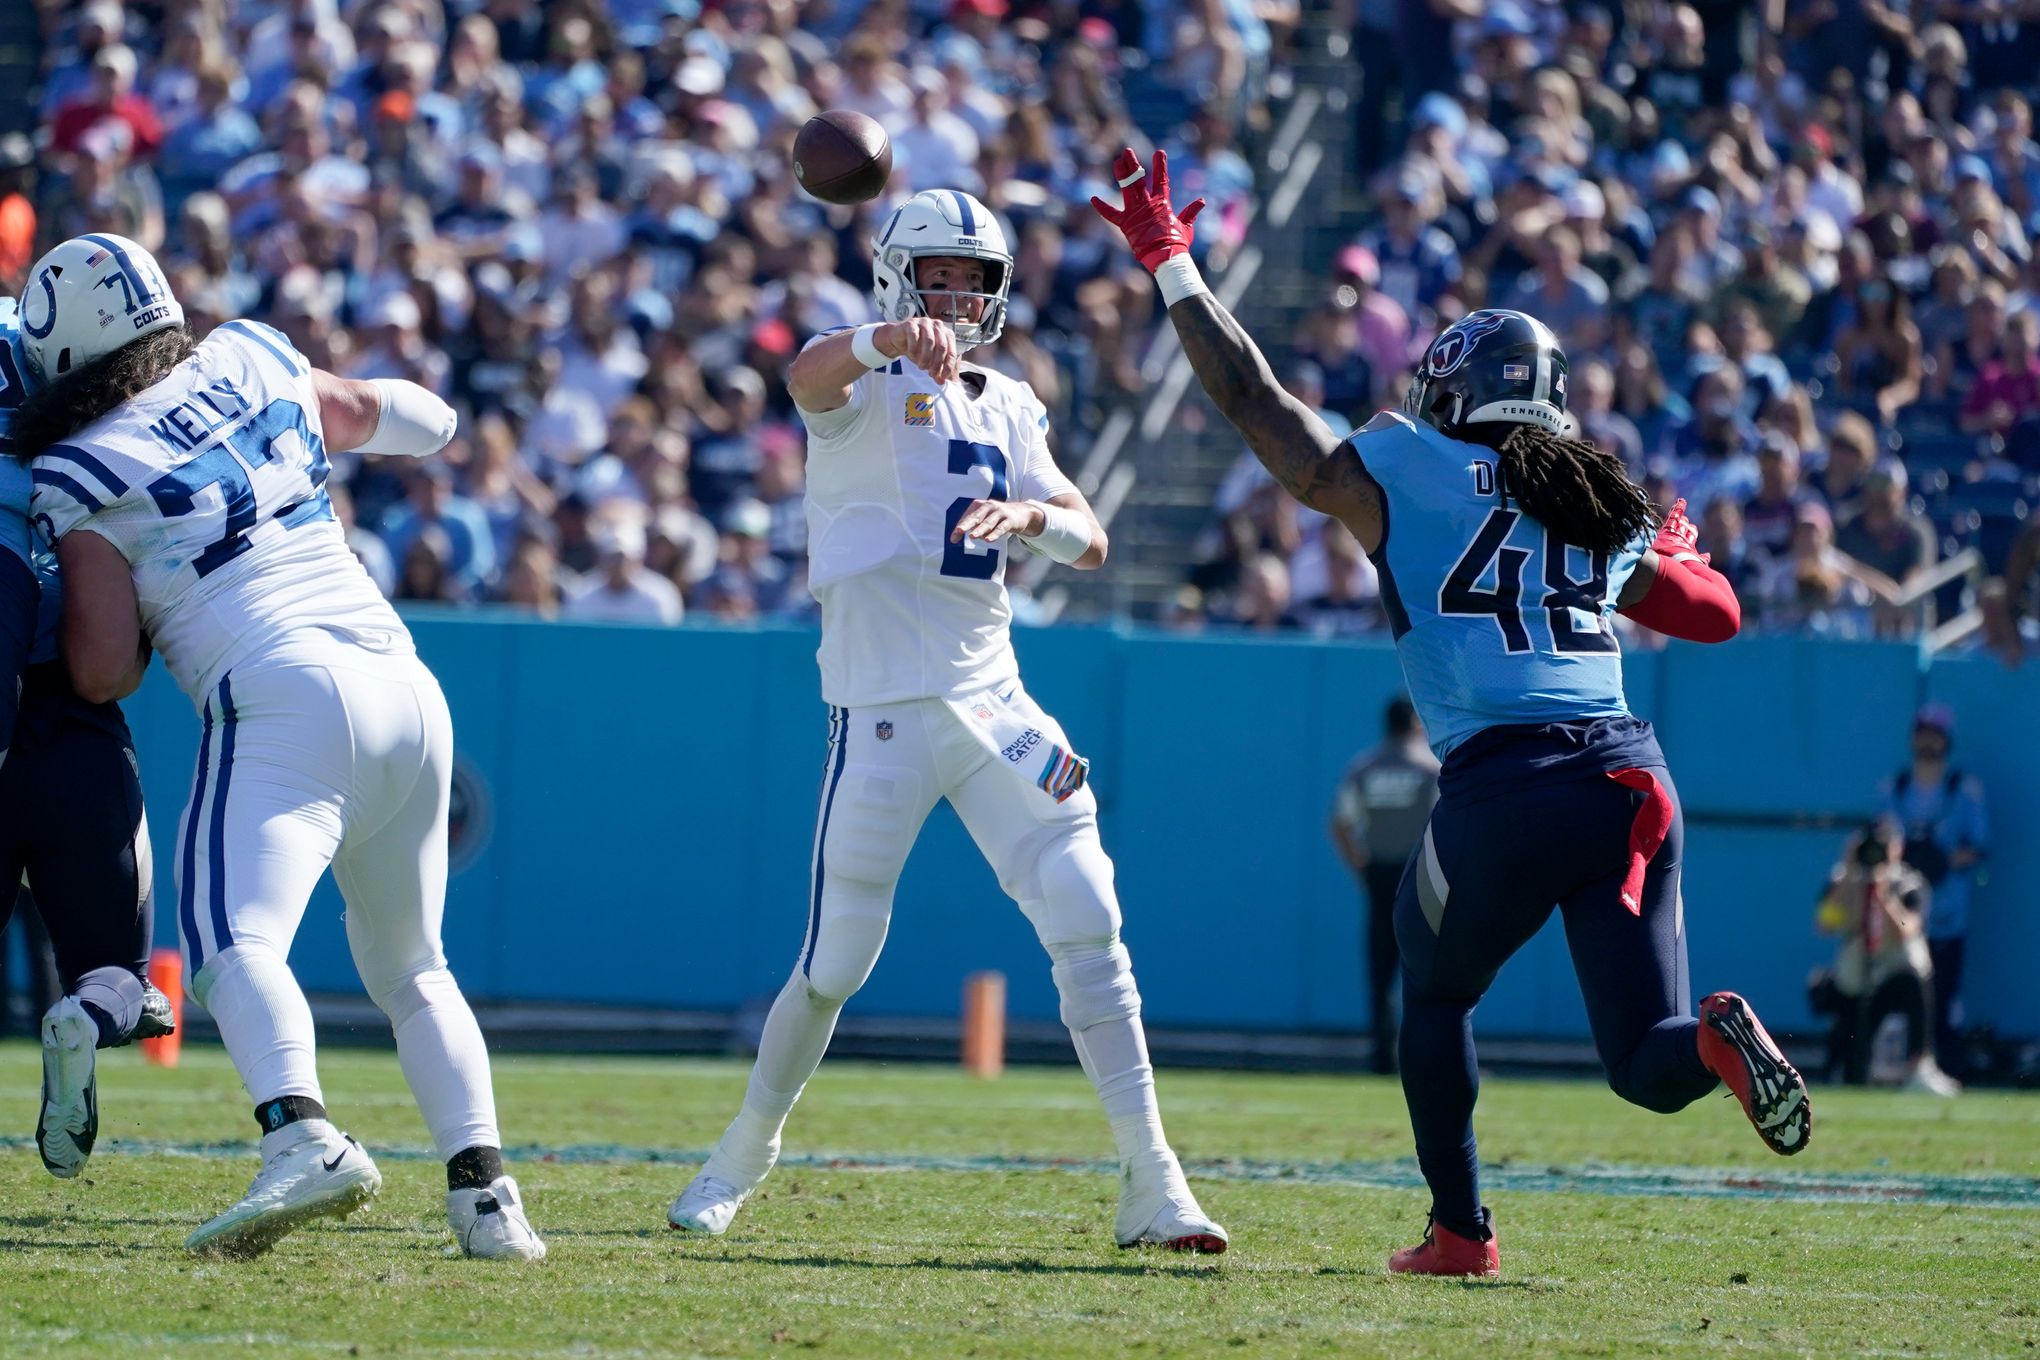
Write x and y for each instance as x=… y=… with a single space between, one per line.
x=842 y=157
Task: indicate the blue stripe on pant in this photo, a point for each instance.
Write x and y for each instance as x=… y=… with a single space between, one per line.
x=187 y=914
x=839 y=739
x=222 y=937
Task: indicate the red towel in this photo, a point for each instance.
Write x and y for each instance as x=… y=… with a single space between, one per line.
x=1653 y=823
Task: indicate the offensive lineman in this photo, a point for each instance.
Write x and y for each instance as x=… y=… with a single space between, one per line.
x=183 y=484
x=922 y=473
x=1504 y=548
x=70 y=816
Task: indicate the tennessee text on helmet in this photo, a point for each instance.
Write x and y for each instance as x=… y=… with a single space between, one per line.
x=1494 y=366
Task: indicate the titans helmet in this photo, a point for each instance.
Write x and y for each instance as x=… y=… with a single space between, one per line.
x=941 y=222
x=1493 y=366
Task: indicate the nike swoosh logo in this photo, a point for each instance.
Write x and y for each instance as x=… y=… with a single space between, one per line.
x=919 y=226
x=338 y=1157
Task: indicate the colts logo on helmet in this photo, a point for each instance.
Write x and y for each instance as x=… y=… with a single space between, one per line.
x=1453 y=346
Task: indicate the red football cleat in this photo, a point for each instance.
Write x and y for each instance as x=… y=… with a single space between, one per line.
x=1445 y=1252
x=1773 y=1094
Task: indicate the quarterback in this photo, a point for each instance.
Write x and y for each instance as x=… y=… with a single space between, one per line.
x=924 y=473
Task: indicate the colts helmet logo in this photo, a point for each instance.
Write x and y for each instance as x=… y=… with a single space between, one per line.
x=1453 y=346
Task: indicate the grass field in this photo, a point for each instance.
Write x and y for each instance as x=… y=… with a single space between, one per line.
x=923 y=1213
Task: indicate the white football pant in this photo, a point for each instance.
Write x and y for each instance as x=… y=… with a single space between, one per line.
x=887 y=766
x=338 y=755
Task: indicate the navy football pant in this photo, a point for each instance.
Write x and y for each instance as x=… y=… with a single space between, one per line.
x=71 y=816
x=1492 y=866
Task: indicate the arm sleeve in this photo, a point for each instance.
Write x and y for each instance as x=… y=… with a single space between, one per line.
x=19 y=601
x=1689 y=600
x=1040 y=478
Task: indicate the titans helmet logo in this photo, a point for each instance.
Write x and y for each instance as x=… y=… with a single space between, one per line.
x=1451 y=349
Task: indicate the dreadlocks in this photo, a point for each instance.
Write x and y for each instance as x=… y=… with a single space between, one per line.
x=62 y=408
x=1572 y=488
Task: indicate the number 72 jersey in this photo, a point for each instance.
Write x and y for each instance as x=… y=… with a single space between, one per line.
x=211 y=483
x=1495 y=619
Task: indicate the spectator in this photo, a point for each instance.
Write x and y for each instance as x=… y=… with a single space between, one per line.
x=1888 y=536
x=620 y=589
x=1336 y=583
x=426 y=578
x=1261 y=604
x=936 y=149
x=1723 y=539
x=1879 y=356
x=1564 y=294
x=1418 y=261
x=1378 y=818
x=1816 y=587
x=112 y=98
x=463 y=548
x=1851 y=451
x=1713 y=453
x=1593 y=401
x=216 y=135
x=2007 y=391
x=531 y=581
x=1940 y=811
x=1770 y=517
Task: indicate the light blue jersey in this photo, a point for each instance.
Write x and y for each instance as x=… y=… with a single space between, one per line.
x=1495 y=620
x=15 y=485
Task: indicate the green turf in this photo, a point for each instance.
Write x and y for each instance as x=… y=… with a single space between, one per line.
x=916 y=1262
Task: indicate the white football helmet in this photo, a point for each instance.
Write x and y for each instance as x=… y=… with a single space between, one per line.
x=941 y=222
x=89 y=297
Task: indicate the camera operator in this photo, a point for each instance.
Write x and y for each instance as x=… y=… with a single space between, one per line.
x=1878 y=905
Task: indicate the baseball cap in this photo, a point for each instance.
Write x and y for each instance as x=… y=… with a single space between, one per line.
x=398 y=309
x=1439 y=110
x=700 y=76
x=748 y=519
x=1583 y=199
x=1936 y=715
x=1972 y=167
x=1411 y=184
x=1813 y=512
x=1507 y=19
x=1360 y=262
x=1700 y=199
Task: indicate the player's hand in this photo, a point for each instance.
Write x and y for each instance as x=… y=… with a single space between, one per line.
x=924 y=342
x=1678 y=537
x=990 y=521
x=1144 y=217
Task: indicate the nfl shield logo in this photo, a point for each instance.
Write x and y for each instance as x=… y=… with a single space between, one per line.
x=885 y=731
x=983 y=711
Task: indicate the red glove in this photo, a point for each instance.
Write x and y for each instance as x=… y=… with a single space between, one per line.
x=1677 y=538
x=1144 y=218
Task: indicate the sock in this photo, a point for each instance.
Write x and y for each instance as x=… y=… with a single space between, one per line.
x=1114 y=1055
x=113 y=998
x=475 y=1168
x=797 y=1033
x=263 y=1020
x=1440 y=1081
x=445 y=1061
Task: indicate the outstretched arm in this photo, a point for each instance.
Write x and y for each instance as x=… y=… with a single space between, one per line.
x=1305 y=457
x=1675 y=591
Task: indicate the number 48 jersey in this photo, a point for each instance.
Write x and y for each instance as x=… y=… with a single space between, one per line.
x=906 y=614
x=1495 y=619
x=212 y=484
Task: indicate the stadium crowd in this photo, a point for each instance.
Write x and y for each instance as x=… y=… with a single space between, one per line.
x=1787 y=247
x=575 y=221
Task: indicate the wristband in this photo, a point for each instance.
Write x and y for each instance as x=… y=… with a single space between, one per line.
x=1065 y=534
x=864 y=344
x=1179 y=279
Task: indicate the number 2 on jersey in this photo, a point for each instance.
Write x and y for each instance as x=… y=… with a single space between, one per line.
x=977 y=561
x=1565 y=598
x=252 y=445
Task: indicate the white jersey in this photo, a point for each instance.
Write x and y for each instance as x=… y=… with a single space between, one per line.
x=906 y=614
x=212 y=484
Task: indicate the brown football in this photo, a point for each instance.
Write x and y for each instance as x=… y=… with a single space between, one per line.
x=842 y=157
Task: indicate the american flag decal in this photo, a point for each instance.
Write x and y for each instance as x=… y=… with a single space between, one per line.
x=94 y=258
x=1062 y=773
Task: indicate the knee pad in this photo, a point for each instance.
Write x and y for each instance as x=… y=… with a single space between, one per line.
x=234 y=958
x=403 y=995
x=1074 y=902
x=1095 y=985
x=844 y=942
x=115 y=993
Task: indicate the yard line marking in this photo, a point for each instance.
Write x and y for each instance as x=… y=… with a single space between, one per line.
x=1654 y=1182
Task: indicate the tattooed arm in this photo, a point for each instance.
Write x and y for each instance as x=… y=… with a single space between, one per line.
x=1311 y=463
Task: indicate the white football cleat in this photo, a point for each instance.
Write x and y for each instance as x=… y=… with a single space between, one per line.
x=324 y=1174
x=707 y=1205
x=489 y=1223
x=1927 y=1076
x=1158 y=1210
x=69 y=1121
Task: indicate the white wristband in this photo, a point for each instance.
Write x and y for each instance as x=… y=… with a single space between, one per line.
x=1065 y=534
x=1179 y=279
x=864 y=344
